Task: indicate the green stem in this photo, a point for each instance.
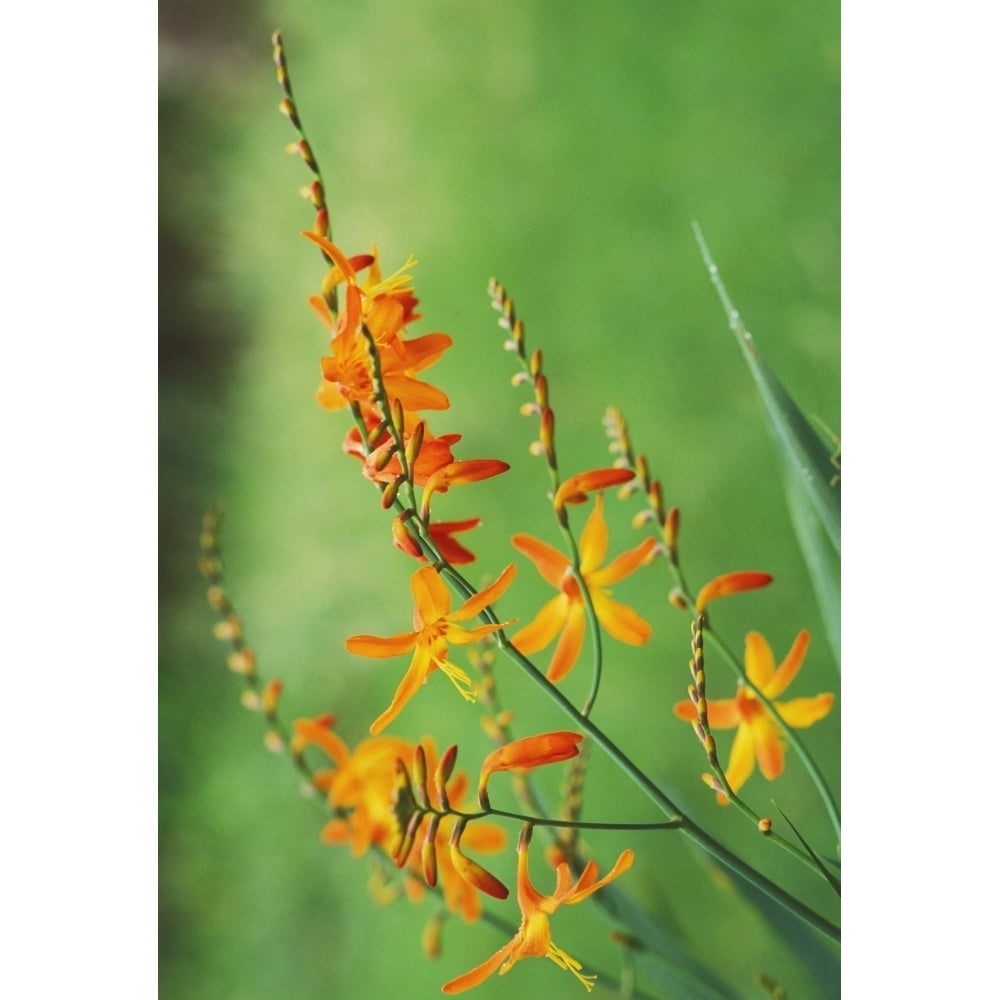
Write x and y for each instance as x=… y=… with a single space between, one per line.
x=691 y=829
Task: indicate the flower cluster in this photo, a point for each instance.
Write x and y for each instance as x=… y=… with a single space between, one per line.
x=406 y=801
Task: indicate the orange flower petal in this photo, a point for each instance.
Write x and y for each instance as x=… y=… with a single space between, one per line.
x=785 y=674
x=620 y=620
x=594 y=539
x=569 y=645
x=420 y=667
x=741 y=759
x=480 y=973
x=768 y=747
x=621 y=566
x=759 y=661
x=376 y=646
x=549 y=561
x=545 y=627
x=430 y=595
x=487 y=596
x=802 y=712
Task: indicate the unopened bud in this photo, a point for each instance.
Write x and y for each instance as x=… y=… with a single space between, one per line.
x=677 y=599
x=242 y=661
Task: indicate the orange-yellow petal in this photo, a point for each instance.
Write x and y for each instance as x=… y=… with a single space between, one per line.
x=373 y=645
x=621 y=566
x=416 y=674
x=481 y=972
x=569 y=645
x=768 y=747
x=430 y=595
x=785 y=673
x=549 y=561
x=487 y=596
x=620 y=620
x=544 y=628
x=802 y=712
x=724 y=714
x=759 y=661
x=741 y=759
x=594 y=539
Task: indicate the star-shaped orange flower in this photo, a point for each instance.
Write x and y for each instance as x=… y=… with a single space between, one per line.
x=758 y=737
x=565 y=615
x=435 y=628
x=534 y=937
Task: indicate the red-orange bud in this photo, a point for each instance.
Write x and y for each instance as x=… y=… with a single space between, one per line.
x=731 y=583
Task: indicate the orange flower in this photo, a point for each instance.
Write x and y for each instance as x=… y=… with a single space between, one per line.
x=576 y=488
x=731 y=583
x=381 y=462
x=361 y=786
x=442 y=534
x=434 y=629
x=531 y=751
x=384 y=306
x=565 y=615
x=534 y=937
x=470 y=470
x=757 y=735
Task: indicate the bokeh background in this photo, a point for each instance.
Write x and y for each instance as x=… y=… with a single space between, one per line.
x=564 y=148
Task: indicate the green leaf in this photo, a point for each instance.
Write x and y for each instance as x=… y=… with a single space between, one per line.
x=822 y=568
x=803 y=449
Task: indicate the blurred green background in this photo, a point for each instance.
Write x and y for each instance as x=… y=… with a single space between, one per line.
x=564 y=148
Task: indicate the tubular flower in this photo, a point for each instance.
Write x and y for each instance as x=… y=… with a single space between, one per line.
x=757 y=735
x=576 y=488
x=730 y=583
x=534 y=937
x=529 y=752
x=434 y=629
x=565 y=615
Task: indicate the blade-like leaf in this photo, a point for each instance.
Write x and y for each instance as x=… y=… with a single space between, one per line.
x=815 y=547
x=801 y=446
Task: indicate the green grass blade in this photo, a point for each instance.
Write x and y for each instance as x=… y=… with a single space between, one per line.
x=801 y=446
x=823 y=569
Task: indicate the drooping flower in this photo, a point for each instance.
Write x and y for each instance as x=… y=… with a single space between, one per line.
x=565 y=614
x=758 y=737
x=534 y=937
x=435 y=628
x=528 y=752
